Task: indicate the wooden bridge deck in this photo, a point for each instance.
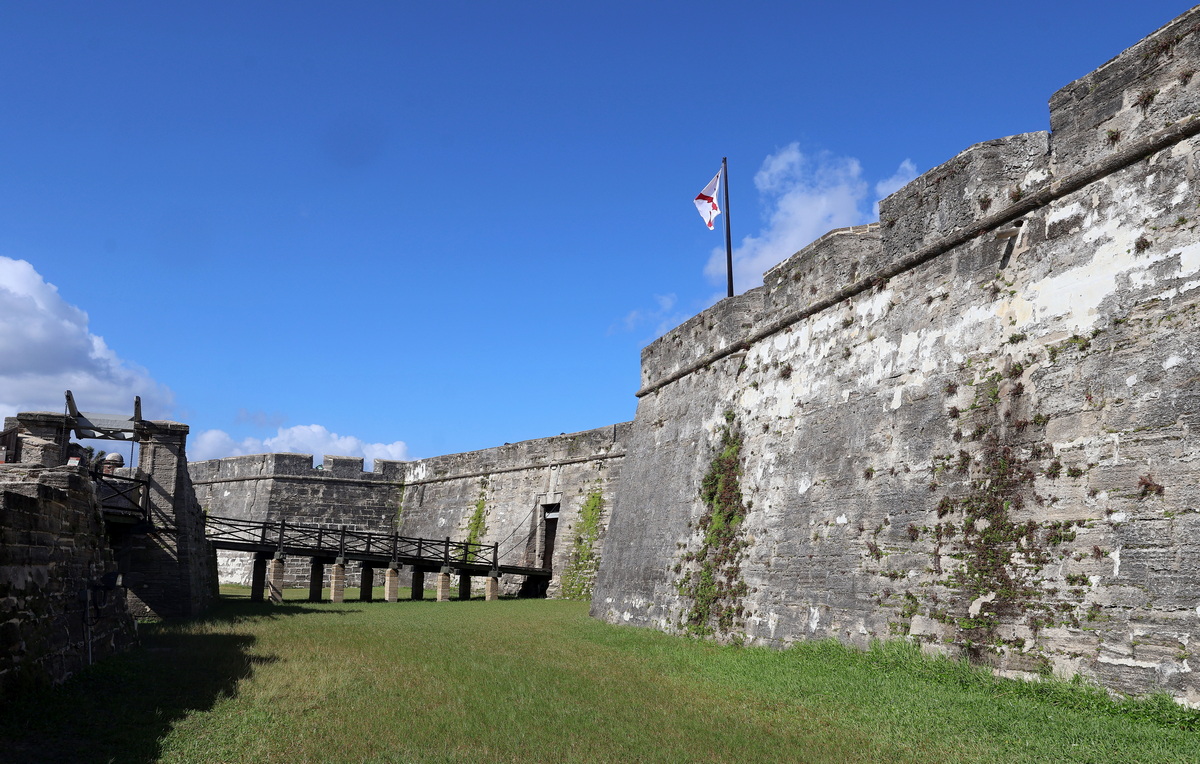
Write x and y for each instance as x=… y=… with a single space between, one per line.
x=376 y=549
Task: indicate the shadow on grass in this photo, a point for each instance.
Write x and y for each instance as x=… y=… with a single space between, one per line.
x=239 y=611
x=120 y=709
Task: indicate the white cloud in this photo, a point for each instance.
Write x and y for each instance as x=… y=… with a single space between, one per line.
x=300 y=439
x=47 y=348
x=806 y=196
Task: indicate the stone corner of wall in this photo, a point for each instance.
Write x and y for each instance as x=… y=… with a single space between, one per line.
x=974 y=185
x=1142 y=90
x=818 y=272
x=712 y=330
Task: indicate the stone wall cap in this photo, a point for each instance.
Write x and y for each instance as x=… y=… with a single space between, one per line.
x=166 y=424
x=41 y=415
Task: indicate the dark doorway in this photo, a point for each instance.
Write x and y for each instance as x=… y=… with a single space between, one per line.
x=536 y=586
x=551 y=533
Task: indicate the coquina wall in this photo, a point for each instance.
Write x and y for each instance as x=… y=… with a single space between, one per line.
x=499 y=495
x=53 y=554
x=289 y=487
x=505 y=495
x=973 y=424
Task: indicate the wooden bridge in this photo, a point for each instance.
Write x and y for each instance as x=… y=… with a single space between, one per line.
x=272 y=541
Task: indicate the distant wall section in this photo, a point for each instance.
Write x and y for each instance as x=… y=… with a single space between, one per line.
x=289 y=487
x=542 y=501
x=532 y=498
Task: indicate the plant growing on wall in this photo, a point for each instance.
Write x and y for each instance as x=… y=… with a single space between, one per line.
x=580 y=573
x=477 y=525
x=1002 y=558
x=712 y=580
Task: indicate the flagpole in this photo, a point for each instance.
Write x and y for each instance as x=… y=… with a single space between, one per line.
x=728 y=239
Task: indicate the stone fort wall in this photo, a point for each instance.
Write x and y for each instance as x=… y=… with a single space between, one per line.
x=973 y=425
x=503 y=495
x=55 y=617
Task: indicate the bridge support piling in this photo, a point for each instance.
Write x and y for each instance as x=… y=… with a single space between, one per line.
x=316 y=579
x=464 y=586
x=443 y=586
x=391 y=584
x=418 y=584
x=366 y=586
x=491 y=586
x=275 y=579
x=258 y=577
x=337 y=580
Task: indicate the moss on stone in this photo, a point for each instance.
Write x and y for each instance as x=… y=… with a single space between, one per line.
x=477 y=525
x=713 y=581
x=580 y=573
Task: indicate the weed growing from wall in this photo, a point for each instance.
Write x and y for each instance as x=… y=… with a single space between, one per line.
x=712 y=581
x=477 y=525
x=998 y=578
x=580 y=573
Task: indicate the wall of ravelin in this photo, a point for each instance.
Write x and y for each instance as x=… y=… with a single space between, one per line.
x=53 y=550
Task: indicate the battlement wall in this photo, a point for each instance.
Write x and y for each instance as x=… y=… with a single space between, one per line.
x=974 y=426
x=256 y=466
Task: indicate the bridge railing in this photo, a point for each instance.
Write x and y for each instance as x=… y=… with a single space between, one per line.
x=342 y=541
x=236 y=530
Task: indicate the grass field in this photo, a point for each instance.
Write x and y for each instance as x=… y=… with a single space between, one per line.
x=535 y=680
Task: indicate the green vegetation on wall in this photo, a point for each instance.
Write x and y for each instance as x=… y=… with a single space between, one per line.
x=712 y=579
x=477 y=525
x=984 y=519
x=580 y=573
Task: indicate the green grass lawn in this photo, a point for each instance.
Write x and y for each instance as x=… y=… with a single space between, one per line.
x=536 y=680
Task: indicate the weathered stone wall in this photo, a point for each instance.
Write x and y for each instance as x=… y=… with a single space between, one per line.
x=503 y=489
x=175 y=567
x=289 y=487
x=175 y=562
x=52 y=552
x=508 y=489
x=973 y=425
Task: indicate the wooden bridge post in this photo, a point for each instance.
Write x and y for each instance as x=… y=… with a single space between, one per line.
x=391 y=583
x=491 y=587
x=418 y=584
x=258 y=576
x=337 y=580
x=443 y=584
x=275 y=579
x=316 y=578
x=464 y=586
x=366 y=586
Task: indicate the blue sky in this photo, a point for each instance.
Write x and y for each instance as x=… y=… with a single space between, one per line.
x=401 y=229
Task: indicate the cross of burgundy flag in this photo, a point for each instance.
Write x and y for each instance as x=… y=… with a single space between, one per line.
x=706 y=200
